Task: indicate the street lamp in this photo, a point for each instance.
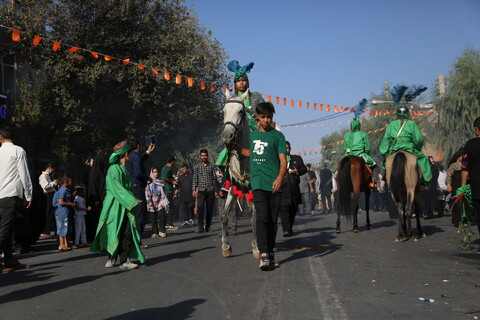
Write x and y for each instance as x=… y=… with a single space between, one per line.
x=420 y=105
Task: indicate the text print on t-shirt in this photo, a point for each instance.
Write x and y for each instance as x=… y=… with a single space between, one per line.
x=259 y=146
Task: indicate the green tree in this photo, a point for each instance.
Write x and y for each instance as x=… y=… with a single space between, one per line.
x=82 y=104
x=460 y=105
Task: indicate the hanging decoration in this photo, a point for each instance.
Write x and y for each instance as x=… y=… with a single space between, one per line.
x=190 y=81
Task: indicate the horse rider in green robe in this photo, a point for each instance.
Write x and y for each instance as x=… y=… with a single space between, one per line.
x=404 y=134
x=241 y=85
x=356 y=142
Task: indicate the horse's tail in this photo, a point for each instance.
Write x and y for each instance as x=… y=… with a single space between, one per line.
x=397 y=177
x=344 y=187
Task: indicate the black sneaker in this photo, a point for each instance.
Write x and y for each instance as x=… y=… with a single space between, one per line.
x=265 y=263
x=273 y=263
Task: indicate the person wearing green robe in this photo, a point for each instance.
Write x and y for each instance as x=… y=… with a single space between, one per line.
x=242 y=84
x=356 y=143
x=404 y=134
x=117 y=232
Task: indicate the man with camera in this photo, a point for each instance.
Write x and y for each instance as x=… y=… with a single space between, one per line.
x=139 y=177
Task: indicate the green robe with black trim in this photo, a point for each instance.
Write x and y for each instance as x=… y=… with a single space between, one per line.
x=117 y=205
x=356 y=143
x=410 y=139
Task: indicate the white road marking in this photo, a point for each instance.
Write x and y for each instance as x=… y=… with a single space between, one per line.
x=328 y=299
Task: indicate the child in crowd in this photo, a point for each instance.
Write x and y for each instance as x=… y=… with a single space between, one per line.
x=81 y=209
x=268 y=165
x=157 y=203
x=63 y=204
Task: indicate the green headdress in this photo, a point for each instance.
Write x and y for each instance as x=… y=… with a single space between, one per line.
x=239 y=71
x=114 y=156
x=355 y=125
x=408 y=93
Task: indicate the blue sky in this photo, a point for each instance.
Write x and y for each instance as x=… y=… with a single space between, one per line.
x=337 y=52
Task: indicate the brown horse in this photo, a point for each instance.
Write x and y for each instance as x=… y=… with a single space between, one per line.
x=353 y=177
x=403 y=178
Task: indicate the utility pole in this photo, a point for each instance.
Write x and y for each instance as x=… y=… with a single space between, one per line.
x=441 y=85
x=387 y=89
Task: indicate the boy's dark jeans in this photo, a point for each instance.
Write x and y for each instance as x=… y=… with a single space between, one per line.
x=267 y=206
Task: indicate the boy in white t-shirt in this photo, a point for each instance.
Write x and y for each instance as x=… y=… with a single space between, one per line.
x=80 y=212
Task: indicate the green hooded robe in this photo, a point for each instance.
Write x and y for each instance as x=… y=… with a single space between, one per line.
x=356 y=143
x=118 y=204
x=410 y=139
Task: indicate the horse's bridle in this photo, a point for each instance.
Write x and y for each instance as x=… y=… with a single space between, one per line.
x=235 y=125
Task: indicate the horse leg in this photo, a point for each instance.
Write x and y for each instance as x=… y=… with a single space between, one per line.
x=408 y=210
x=225 y=218
x=421 y=234
x=253 y=222
x=401 y=226
x=356 y=196
x=367 y=208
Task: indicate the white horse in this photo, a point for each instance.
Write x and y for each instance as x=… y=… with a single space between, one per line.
x=236 y=131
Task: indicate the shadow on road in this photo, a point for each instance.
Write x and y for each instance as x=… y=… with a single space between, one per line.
x=312 y=230
x=44 y=288
x=181 y=310
x=24 y=276
x=384 y=224
x=429 y=230
x=86 y=255
x=161 y=241
x=317 y=245
x=176 y=255
x=470 y=254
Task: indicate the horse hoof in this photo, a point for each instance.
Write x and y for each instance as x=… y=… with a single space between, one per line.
x=370 y=228
x=400 y=239
x=255 y=254
x=227 y=253
x=424 y=235
x=338 y=230
x=356 y=230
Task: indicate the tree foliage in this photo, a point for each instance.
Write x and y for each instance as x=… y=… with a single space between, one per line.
x=460 y=105
x=82 y=105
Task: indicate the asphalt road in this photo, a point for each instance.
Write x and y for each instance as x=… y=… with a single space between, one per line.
x=322 y=275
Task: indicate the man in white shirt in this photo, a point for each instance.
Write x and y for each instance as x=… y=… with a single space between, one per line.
x=441 y=190
x=15 y=186
x=48 y=186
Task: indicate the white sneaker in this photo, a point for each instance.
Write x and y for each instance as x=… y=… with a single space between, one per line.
x=127 y=265
x=110 y=263
x=191 y=222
